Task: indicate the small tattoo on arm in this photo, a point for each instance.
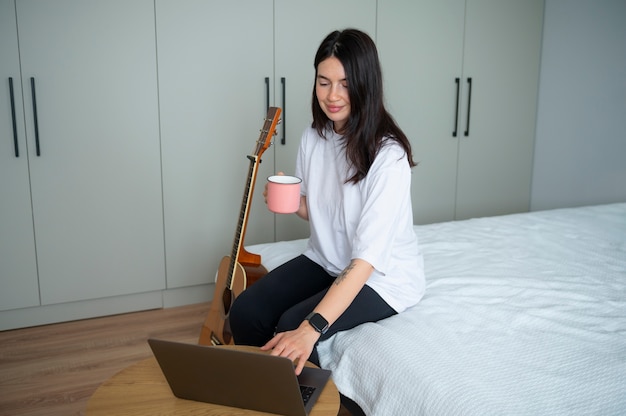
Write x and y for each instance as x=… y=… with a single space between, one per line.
x=340 y=278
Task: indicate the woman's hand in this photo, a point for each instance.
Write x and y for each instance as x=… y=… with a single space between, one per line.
x=296 y=345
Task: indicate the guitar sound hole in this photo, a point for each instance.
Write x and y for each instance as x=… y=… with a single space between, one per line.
x=227 y=335
x=227 y=297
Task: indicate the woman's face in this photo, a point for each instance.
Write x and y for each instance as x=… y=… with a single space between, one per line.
x=331 y=89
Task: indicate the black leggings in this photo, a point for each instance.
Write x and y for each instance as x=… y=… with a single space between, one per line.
x=280 y=301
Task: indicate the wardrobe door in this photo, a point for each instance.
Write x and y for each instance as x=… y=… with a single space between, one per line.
x=421 y=49
x=461 y=80
x=300 y=27
x=213 y=59
x=18 y=268
x=89 y=78
x=501 y=57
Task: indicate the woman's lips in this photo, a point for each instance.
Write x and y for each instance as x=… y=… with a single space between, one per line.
x=334 y=108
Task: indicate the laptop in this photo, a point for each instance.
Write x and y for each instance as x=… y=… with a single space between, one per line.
x=240 y=379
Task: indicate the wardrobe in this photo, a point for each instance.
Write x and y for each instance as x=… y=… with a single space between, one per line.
x=81 y=215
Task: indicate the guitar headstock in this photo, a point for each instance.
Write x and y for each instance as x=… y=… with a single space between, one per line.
x=268 y=130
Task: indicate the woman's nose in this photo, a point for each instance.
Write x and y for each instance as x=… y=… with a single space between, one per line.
x=333 y=93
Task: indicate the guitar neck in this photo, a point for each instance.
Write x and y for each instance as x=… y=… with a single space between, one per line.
x=243 y=212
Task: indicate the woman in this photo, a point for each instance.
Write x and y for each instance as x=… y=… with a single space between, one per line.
x=362 y=262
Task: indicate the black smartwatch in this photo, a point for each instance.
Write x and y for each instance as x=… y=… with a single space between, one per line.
x=318 y=322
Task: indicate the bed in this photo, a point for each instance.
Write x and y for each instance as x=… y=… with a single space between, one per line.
x=523 y=314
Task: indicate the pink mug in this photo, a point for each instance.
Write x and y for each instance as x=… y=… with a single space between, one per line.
x=283 y=194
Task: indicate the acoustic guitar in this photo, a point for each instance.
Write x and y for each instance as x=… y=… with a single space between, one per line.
x=241 y=268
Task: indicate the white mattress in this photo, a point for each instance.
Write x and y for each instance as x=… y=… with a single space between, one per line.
x=523 y=315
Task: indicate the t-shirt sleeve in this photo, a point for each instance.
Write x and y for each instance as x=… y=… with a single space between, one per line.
x=300 y=164
x=386 y=193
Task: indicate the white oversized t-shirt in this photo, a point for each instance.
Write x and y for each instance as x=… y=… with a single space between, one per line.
x=371 y=220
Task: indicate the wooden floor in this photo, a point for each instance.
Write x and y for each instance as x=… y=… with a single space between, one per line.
x=52 y=370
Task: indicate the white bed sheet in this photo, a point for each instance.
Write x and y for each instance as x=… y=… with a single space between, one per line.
x=523 y=314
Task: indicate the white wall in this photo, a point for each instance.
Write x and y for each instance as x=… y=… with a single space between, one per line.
x=580 y=150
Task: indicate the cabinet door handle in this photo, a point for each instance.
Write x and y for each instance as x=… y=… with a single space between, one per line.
x=267 y=93
x=284 y=122
x=456 y=108
x=13 y=118
x=469 y=105
x=36 y=123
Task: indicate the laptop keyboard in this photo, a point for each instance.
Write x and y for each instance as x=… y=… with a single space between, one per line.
x=306 y=392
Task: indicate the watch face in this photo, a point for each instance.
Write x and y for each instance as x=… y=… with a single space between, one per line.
x=318 y=322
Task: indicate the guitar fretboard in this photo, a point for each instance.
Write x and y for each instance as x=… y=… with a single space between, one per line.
x=243 y=213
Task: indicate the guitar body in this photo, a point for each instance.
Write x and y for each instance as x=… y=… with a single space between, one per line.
x=252 y=265
x=241 y=268
x=216 y=328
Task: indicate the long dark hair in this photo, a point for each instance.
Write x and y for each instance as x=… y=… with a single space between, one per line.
x=369 y=122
